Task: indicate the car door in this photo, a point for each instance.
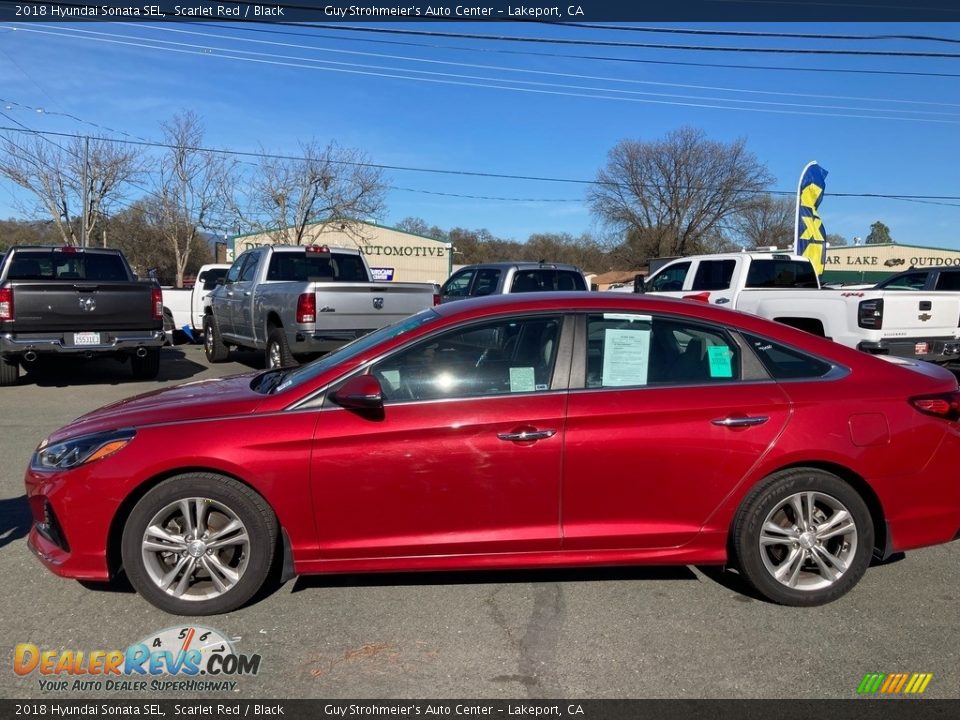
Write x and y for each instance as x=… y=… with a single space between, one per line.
x=672 y=415
x=466 y=455
x=243 y=297
x=225 y=297
x=712 y=281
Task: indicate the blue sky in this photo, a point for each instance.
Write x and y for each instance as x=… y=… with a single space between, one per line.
x=905 y=140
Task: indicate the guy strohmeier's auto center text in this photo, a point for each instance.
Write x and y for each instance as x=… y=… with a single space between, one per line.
x=56 y=11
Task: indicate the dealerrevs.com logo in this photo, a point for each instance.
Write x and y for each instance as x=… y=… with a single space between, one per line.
x=178 y=659
x=894 y=683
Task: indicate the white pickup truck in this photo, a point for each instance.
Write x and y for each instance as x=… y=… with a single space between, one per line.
x=783 y=287
x=183 y=308
x=298 y=301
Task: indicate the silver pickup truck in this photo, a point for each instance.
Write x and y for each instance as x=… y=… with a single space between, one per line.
x=296 y=301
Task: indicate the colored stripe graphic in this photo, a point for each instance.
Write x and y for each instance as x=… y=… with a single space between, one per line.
x=894 y=683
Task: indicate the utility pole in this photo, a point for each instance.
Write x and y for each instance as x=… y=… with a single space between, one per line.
x=86 y=198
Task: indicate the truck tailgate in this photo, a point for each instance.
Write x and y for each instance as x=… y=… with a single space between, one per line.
x=362 y=306
x=65 y=305
x=908 y=314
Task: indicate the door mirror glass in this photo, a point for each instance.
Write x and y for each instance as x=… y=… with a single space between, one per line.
x=361 y=392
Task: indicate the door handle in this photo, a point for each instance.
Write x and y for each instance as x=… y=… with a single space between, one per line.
x=247 y=293
x=740 y=421
x=527 y=435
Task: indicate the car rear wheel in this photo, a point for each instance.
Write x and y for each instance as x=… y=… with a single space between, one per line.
x=803 y=537
x=278 y=350
x=199 y=544
x=213 y=346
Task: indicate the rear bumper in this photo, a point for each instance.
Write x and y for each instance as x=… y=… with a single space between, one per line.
x=63 y=344
x=919 y=348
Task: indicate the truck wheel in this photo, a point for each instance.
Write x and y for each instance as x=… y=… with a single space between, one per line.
x=148 y=366
x=803 y=537
x=9 y=370
x=278 y=350
x=199 y=544
x=213 y=346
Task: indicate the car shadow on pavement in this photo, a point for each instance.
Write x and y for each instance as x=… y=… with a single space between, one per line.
x=15 y=519
x=494 y=577
x=63 y=371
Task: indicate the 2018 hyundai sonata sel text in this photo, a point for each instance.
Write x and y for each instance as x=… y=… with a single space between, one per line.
x=514 y=432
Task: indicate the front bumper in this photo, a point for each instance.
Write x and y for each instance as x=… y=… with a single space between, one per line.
x=69 y=524
x=938 y=350
x=63 y=343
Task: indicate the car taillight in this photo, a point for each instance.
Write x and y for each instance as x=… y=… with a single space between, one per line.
x=307 y=308
x=870 y=314
x=436 y=299
x=946 y=406
x=156 y=303
x=6 y=303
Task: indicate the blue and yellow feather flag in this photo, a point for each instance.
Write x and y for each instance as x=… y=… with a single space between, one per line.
x=811 y=235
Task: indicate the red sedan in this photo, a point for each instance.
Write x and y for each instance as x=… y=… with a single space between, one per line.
x=514 y=432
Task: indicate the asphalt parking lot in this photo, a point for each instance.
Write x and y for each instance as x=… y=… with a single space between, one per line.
x=630 y=633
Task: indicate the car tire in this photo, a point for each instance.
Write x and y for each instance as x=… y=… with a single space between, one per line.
x=278 y=353
x=803 y=537
x=9 y=370
x=213 y=346
x=204 y=580
x=146 y=367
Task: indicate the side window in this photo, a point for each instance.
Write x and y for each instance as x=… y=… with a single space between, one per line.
x=714 y=274
x=458 y=285
x=948 y=280
x=210 y=277
x=233 y=273
x=250 y=268
x=669 y=279
x=527 y=281
x=634 y=350
x=486 y=282
x=784 y=363
x=907 y=281
x=514 y=355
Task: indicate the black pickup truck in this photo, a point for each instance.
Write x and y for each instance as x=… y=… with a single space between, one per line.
x=76 y=302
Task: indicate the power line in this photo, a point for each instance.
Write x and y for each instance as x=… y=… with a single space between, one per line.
x=501 y=68
x=597 y=58
x=464 y=173
x=620 y=44
x=594 y=94
x=759 y=33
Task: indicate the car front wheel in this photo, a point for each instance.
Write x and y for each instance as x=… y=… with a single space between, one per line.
x=199 y=544
x=803 y=537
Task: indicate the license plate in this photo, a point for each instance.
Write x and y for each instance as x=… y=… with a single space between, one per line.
x=921 y=349
x=87 y=338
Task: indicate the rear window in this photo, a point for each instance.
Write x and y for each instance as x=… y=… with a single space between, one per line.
x=316 y=267
x=785 y=363
x=60 y=265
x=546 y=280
x=775 y=273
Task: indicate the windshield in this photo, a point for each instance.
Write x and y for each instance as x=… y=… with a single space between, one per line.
x=273 y=381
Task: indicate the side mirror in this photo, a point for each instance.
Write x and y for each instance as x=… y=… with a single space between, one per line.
x=638 y=284
x=221 y=281
x=361 y=392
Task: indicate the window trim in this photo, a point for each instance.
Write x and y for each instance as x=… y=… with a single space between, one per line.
x=836 y=371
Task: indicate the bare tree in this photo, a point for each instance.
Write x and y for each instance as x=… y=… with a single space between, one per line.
x=766 y=222
x=677 y=193
x=192 y=188
x=327 y=184
x=54 y=174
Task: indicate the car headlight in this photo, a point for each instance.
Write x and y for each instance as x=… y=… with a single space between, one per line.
x=80 y=450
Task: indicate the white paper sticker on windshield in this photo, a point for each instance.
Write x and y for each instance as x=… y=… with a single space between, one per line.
x=626 y=357
x=521 y=379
